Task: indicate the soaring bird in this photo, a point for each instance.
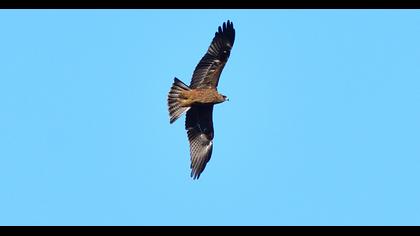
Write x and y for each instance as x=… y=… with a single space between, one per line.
x=199 y=98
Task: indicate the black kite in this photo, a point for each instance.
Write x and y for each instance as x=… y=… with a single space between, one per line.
x=199 y=98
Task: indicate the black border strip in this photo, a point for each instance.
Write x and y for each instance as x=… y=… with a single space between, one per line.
x=200 y=230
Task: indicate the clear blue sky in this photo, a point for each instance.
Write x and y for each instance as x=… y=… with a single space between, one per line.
x=322 y=126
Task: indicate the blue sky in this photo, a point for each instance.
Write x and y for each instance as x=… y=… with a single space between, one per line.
x=322 y=126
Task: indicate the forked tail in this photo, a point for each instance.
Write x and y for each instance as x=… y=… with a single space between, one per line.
x=175 y=108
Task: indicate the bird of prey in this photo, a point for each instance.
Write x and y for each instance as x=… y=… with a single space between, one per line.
x=199 y=98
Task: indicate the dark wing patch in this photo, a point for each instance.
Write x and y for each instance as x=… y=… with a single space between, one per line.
x=199 y=126
x=208 y=70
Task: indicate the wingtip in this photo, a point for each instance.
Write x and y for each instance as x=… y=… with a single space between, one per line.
x=227 y=24
x=227 y=30
x=195 y=176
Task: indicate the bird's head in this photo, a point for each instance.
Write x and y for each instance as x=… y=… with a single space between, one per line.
x=225 y=98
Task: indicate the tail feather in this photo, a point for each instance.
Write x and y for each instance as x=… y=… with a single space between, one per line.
x=175 y=108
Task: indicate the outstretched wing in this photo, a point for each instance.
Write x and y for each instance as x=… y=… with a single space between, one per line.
x=199 y=126
x=208 y=70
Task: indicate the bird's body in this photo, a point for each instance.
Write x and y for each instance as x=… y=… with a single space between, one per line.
x=199 y=98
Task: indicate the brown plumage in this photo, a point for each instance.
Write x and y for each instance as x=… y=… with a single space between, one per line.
x=199 y=98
